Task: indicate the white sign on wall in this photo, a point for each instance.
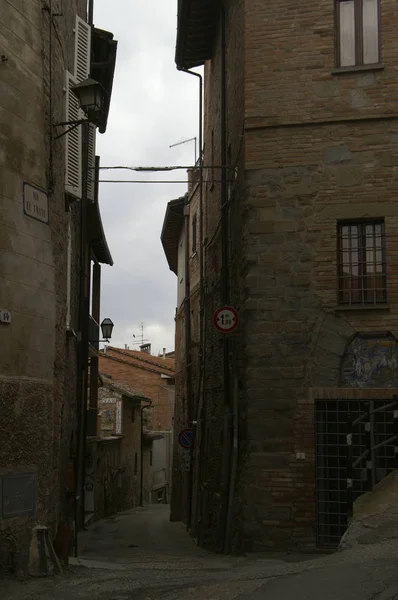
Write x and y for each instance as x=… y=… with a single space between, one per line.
x=35 y=203
x=5 y=316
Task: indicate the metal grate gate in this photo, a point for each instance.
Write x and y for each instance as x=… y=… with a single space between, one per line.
x=332 y=417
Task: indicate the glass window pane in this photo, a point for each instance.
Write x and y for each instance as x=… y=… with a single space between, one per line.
x=354 y=230
x=347 y=33
x=344 y=231
x=370 y=32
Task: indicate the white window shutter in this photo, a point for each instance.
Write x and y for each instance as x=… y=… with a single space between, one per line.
x=73 y=143
x=91 y=162
x=82 y=49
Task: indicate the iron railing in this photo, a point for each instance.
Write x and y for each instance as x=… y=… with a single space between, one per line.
x=356 y=446
x=368 y=456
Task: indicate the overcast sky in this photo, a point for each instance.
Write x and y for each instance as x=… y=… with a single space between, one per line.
x=153 y=106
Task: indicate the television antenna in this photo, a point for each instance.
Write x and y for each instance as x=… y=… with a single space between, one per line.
x=141 y=335
x=194 y=139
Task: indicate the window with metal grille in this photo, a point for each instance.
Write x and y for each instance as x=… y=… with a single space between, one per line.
x=361 y=263
x=358 y=32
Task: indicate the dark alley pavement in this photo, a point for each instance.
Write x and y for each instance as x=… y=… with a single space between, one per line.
x=140 y=555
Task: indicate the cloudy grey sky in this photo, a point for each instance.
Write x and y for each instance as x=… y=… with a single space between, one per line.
x=153 y=106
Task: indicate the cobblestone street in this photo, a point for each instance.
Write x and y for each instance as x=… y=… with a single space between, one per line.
x=140 y=555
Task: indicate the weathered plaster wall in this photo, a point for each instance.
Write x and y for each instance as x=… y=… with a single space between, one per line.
x=37 y=364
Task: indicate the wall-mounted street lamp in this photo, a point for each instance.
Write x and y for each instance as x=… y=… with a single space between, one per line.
x=106 y=329
x=91 y=96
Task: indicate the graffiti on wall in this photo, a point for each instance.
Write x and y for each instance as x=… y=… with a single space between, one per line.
x=371 y=361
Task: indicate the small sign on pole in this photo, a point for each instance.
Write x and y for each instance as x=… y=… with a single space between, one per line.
x=225 y=319
x=185 y=438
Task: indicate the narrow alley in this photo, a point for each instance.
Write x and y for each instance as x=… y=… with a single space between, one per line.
x=198 y=300
x=140 y=555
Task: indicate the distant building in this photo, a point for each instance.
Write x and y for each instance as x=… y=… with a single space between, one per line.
x=155 y=378
x=52 y=239
x=153 y=375
x=119 y=458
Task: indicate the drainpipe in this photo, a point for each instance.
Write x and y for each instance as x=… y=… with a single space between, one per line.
x=231 y=395
x=193 y=418
x=84 y=305
x=188 y=353
x=225 y=523
x=90 y=12
x=142 y=454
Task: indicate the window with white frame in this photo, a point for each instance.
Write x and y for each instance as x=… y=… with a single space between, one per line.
x=358 y=32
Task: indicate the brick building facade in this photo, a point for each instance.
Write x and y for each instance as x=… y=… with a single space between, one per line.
x=152 y=375
x=299 y=235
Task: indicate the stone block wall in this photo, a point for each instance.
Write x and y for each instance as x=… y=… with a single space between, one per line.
x=37 y=364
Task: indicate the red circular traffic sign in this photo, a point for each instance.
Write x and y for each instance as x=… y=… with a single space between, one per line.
x=225 y=319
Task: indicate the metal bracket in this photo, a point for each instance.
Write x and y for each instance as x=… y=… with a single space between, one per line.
x=74 y=124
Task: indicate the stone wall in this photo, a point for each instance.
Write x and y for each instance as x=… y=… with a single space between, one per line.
x=317 y=157
x=37 y=365
x=312 y=147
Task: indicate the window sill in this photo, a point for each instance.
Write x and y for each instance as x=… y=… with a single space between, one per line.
x=358 y=69
x=361 y=307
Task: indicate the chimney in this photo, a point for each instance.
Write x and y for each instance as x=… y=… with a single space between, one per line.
x=105 y=347
x=164 y=353
x=146 y=348
x=125 y=347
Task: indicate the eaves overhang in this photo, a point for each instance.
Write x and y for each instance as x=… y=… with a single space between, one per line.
x=172 y=225
x=98 y=242
x=197 y=23
x=103 y=50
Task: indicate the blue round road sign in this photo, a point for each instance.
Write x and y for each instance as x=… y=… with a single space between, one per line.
x=185 y=438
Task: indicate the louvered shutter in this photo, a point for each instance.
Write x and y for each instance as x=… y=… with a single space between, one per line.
x=82 y=49
x=73 y=144
x=91 y=162
x=82 y=72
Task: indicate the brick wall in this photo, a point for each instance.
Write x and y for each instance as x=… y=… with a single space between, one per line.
x=301 y=178
x=311 y=146
x=145 y=380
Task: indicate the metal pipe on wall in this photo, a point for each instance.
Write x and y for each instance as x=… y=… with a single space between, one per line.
x=188 y=352
x=230 y=403
x=84 y=307
x=194 y=417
